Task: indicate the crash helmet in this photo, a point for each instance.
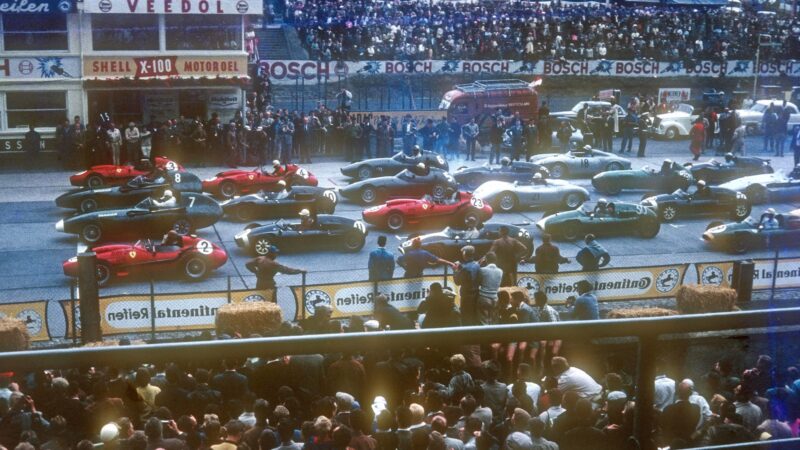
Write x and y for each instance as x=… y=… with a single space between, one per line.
x=537 y=176
x=282 y=183
x=587 y=148
x=602 y=203
x=701 y=184
x=421 y=166
x=167 y=193
x=728 y=157
x=276 y=163
x=304 y=213
x=770 y=212
x=416 y=149
x=505 y=161
x=667 y=162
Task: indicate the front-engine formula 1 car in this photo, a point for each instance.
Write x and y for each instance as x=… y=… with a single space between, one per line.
x=753 y=234
x=716 y=172
x=406 y=184
x=768 y=187
x=193 y=258
x=626 y=218
x=192 y=212
x=382 y=167
x=551 y=194
x=447 y=243
x=284 y=204
x=111 y=175
x=712 y=200
x=135 y=190
x=231 y=183
x=580 y=163
x=326 y=232
x=472 y=177
x=670 y=177
x=455 y=210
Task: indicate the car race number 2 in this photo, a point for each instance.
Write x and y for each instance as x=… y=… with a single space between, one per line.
x=204 y=247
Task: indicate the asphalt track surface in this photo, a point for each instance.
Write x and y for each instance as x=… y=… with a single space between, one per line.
x=32 y=251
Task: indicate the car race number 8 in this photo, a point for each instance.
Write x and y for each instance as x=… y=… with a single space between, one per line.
x=177 y=178
x=204 y=247
x=172 y=166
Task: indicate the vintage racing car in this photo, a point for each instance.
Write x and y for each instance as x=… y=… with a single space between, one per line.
x=541 y=192
x=447 y=243
x=381 y=167
x=194 y=258
x=132 y=192
x=626 y=218
x=712 y=200
x=472 y=177
x=455 y=210
x=768 y=187
x=670 y=177
x=580 y=163
x=716 y=172
x=275 y=205
x=231 y=183
x=406 y=184
x=111 y=175
x=750 y=234
x=193 y=211
x=327 y=232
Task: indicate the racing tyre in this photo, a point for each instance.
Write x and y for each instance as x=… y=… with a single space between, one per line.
x=571 y=231
x=195 y=267
x=364 y=172
x=649 y=229
x=472 y=215
x=369 y=195
x=88 y=205
x=104 y=274
x=395 y=221
x=740 y=212
x=244 y=213
x=91 y=233
x=671 y=134
x=507 y=201
x=613 y=166
x=94 y=181
x=756 y=194
x=261 y=246
x=559 y=171
x=668 y=213
x=227 y=189
x=713 y=224
x=739 y=244
x=438 y=191
x=354 y=241
x=182 y=226
x=573 y=200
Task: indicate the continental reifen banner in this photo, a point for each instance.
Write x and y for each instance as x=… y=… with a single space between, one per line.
x=34 y=314
x=357 y=299
x=787 y=274
x=631 y=283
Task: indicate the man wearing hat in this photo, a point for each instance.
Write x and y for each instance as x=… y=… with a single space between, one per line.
x=265 y=268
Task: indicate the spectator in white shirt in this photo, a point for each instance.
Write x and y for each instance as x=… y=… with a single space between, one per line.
x=665 y=391
x=699 y=400
x=574 y=379
x=751 y=414
x=549 y=417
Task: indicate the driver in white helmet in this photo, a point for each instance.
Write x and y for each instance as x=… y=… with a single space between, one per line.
x=730 y=159
x=702 y=190
x=538 y=179
x=307 y=220
x=167 y=200
x=769 y=221
x=601 y=208
x=282 y=192
x=277 y=169
x=420 y=169
x=587 y=150
x=472 y=232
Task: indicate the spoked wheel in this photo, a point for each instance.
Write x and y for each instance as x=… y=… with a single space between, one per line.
x=668 y=213
x=182 y=226
x=558 y=171
x=94 y=181
x=395 y=221
x=195 y=268
x=88 y=205
x=103 y=273
x=91 y=233
x=364 y=172
x=573 y=200
x=261 y=246
x=228 y=189
x=369 y=195
x=741 y=212
x=507 y=201
x=438 y=191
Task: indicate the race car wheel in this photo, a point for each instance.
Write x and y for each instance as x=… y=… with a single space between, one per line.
x=245 y=213
x=741 y=212
x=614 y=166
x=91 y=233
x=671 y=133
x=507 y=201
x=364 y=172
x=756 y=194
x=182 y=226
x=228 y=189
x=261 y=246
x=558 y=171
x=571 y=231
x=713 y=224
x=438 y=191
x=354 y=241
x=94 y=181
x=573 y=200
x=395 y=221
x=739 y=245
x=472 y=215
x=103 y=272
x=195 y=267
x=649 y=228
x=88 y=205
x=668 y=213
x=369 y=195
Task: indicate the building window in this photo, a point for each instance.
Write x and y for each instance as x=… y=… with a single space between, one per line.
x=38 y=108
x=195 y=32
x=121 y=32
x=26 y=32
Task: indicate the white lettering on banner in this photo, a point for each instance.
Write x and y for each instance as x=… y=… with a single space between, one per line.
x=187 y=312
x=209 y=7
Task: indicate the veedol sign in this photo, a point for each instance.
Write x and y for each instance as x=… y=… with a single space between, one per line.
x=208 y=7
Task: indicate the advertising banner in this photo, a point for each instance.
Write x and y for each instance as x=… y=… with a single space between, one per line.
x=311 y=72
x=34 y=314
x=37 y=6
x=674 y=95
x=164 y=66
x=787 y=274
x=629 y=283
x=202 y=7
x=14 y=144
x=40 y=68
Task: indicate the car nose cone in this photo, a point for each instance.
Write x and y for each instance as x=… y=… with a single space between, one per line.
x=60 y=225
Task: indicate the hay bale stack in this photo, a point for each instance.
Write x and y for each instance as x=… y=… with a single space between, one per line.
x=514 y=292
x=14 y=335
x=697 y=299
x=246 y=319
x=633 y=313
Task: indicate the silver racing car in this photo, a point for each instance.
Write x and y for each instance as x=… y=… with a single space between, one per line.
x=583 y=163
x=538 y=192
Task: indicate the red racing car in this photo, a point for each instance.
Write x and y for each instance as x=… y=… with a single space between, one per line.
x=194 y=258
x=454 y=211
x=111 y=175
x=231 y=183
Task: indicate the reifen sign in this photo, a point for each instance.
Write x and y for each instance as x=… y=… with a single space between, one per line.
x=207 y=7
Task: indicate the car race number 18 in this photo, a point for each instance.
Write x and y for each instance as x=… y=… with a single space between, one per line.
x=204 y=247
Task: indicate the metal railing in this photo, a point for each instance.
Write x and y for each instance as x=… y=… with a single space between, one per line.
x=648 y=331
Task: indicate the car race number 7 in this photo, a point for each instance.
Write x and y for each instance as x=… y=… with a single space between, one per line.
x=204 y=247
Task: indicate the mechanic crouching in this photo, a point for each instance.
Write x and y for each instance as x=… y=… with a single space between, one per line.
x=593 y=256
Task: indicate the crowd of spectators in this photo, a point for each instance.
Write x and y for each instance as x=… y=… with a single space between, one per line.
x=419 y=29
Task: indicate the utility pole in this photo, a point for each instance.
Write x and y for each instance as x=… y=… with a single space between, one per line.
x=763 y=40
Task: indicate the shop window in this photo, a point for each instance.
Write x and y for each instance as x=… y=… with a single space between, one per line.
x=38 y=108
x=121 y=32
x=194 y=32
x=25 y=32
